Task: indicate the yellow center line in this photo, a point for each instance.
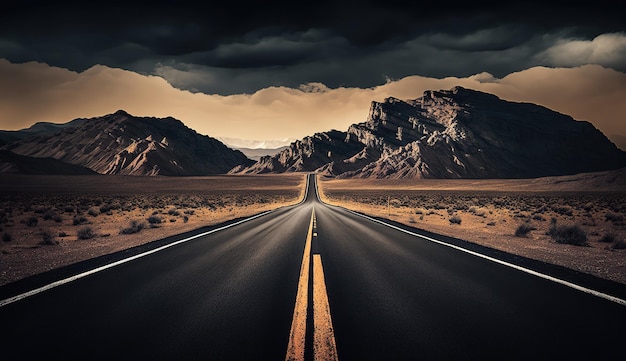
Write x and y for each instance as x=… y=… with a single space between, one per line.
x=295 y=349
x=324 y=346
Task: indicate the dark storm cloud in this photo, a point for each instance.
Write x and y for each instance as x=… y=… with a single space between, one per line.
x=235 y=47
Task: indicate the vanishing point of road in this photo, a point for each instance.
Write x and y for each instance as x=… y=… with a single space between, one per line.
x=312 y=282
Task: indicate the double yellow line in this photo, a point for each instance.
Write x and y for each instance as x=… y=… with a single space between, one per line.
x=324 y=346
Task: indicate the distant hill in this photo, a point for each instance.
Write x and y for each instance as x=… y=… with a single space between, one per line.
x=457 y=133
x=19 y=164
x=257 y=153
x=121 y=143
x=40 y=128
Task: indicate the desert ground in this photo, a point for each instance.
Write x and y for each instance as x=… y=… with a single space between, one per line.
x=576 y=221
x=51 y=221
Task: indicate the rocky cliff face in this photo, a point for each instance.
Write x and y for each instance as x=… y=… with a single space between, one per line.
x=120 y=143
x=312 y=152
x=457 y=133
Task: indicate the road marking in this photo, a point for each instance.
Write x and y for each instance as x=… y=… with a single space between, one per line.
x=504 y=263
x=324 y=346
x=122 y=261
x=297 y=335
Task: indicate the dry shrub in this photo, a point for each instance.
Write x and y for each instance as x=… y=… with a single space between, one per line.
x=134 y=227
x=455 y=220
x=523 y=230
x=79 y=220
x=571 y=234
x=48 y=238
x=155 y=220
x=32 y=221
x=619 y=244
x=7 y=237
x=85 y=233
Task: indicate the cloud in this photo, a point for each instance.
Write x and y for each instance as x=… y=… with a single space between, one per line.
x=237 y=48
x=496 y=38
x=316 y=56
x=608 y=50
x=33 y=92
x=275 y=50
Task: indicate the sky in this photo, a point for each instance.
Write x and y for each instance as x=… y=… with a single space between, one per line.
x=284 y=70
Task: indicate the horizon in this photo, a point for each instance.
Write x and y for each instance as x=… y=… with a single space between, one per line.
x=270 y=72
x=497 y=88
x=232 y=181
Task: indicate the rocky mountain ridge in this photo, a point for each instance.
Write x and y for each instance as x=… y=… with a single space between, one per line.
x=39 y=128
x=120 y=143
x=457 y=133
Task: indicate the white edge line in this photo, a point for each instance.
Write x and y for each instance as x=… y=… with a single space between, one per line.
x=125 y=260
x=520 y=268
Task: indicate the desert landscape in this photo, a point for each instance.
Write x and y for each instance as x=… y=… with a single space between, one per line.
x=51 y=221
x=573 y=221
x=357 y=181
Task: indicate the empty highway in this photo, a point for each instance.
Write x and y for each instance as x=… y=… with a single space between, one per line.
x=312 y=282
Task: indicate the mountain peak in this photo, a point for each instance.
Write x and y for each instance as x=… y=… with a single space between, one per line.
x=120 y=143
x=455 y=133
x=121 y=112
x=458 y=95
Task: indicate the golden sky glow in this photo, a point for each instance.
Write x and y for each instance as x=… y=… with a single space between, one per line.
x=33 y=92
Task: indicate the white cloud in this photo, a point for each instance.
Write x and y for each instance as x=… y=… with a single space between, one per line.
x=608 y=50
x=33 y=92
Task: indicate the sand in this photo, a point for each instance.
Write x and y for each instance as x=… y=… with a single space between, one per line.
x=490 y=212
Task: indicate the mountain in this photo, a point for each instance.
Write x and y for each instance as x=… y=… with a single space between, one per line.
x=457 y=133
x=257 y=153
x=256 y=149
x=120 y=143
x=39 y=128
x=238 y=143
x=310 y=153
x=14 y=163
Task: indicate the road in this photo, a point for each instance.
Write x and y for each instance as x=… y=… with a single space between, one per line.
x=312 y=282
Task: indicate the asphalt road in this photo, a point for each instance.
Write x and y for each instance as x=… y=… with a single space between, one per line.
x=383 y=292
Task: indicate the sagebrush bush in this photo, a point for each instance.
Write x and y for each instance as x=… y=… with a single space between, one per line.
x=7 y=237
x=134 y=227
x=85 y=233
x=48 y=215
x=155 y=219
x=48 y=238
x=32 y=221
x=619 y=244
x=79 y=220
x=614 y=217
x=455 y=220
x=523 y=230
x=569 y=235
x=608 y=237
